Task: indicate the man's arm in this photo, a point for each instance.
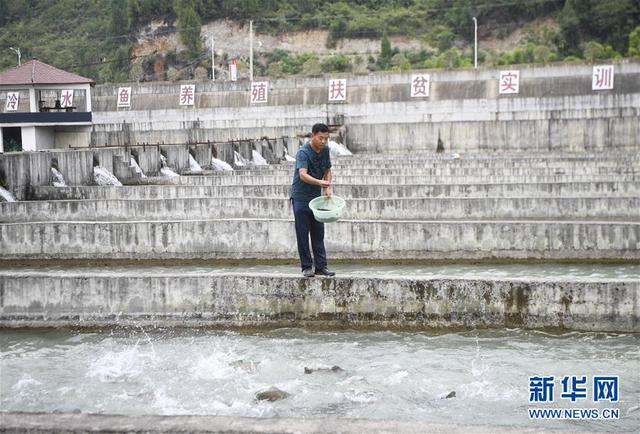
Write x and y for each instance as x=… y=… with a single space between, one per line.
x=327 y=177
x=308 y=179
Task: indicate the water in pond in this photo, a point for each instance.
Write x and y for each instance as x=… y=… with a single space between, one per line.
x=384 y=374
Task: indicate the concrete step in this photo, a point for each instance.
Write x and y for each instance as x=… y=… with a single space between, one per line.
x=348 y=191
x=77 y=298
x=370 y=209
x=401 y=180
x=614 y=155
x=438 y=171
x=349 y=239
x=417 y=162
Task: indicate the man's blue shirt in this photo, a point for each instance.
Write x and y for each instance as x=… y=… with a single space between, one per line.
x=316 y=164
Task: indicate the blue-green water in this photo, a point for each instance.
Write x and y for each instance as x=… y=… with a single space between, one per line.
x=385 y=375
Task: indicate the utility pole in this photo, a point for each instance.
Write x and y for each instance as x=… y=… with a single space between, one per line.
x=213 y=61
x=475 y=43
x=251 y=50
x=17 y=51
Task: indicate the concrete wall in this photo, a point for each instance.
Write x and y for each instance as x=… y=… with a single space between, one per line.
x=21 y=172
x=71 y=137
x=355 y=239
x=619 y=208
x=545 y=189
x=555 y=110
x=45 y=137
x=32 y=299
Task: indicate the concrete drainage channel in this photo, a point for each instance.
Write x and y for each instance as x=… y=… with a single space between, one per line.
x=382 y=322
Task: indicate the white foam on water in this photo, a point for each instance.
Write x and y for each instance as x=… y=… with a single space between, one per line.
x=165 y=171
x=257 y=159
x=396 y=378
x=6 y=195
x=136 y=167
x=103 y=177
x=118 y=366
x=221 y=165
x=193 y=164
x=239 y=160
x=336 y=149
x=25 y=382
x=58 y=179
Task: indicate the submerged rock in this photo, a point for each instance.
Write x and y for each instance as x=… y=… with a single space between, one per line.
x=272 y=394
x=334 y=368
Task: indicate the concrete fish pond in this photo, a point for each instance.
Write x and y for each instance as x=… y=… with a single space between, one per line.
x=178 y=304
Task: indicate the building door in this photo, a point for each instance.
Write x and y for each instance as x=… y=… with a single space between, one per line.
x=12 y=139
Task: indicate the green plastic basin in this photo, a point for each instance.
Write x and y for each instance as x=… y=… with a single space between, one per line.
x=327 y=210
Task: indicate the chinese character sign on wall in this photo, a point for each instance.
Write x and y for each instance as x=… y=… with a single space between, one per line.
x=124 y=97
x=509 y=82
x=420 y=85
x=12 y=101
x=602 y=77
x=259 y=91
x=66 y=98
x=338 y=90
x=187 y=94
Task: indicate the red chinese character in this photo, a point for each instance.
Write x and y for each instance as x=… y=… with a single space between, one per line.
x=336 y=90
x=186 y=95
x=124 y=95
x=419 y=86
x=603 y=78
x=258 y=92
x=67 y=97
x=508 y=82
x=12 y=101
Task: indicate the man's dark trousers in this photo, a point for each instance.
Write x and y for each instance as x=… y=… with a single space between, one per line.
x=307 y=225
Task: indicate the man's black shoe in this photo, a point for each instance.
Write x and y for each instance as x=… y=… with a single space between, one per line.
x=307 y=272
x=324 y=272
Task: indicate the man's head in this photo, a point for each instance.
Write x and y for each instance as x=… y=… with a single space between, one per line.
x=319 y=135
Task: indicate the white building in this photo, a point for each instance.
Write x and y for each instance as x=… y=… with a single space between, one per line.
x=44 y=108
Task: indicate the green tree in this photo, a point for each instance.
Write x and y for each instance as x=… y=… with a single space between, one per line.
x=400 y=62
x=189 y=26
x=136 y=72
x=569 y=28
x=338 y=63
x=634 y=42
x=312 y=67
x=384 y=60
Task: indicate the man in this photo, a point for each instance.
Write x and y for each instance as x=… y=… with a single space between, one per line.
x=312 y=175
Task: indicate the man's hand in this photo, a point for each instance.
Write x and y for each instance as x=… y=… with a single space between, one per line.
x=324 y=183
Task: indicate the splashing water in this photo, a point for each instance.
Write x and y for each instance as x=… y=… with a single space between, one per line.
x=193 y=164
x=58 y=179
x=239 y=160
x=336 y=149
x=165 y=171
x=257 y=159
x=103 y=177
x=137 y=168
x=6 y=196
x=383 y=374
x=221 y=165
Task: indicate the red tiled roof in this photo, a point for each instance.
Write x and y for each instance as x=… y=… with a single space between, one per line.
x=36 y=72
